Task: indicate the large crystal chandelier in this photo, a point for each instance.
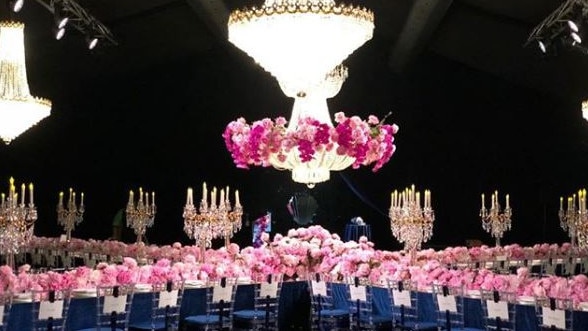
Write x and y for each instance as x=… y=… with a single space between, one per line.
x=303 y=43
x=19 y=110
x=300 y=41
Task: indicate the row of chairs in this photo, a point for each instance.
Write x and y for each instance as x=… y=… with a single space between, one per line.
x=113 y=308
x=349 y=305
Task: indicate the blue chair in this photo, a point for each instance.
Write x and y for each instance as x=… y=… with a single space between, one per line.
x=554 y=314
x=450 y=308
x=113 y=308
x=325 y=314
x=405 y=307
x=6 y=303
x=363 y=316
x=499 y=310
x=49 y=310
x=220 y=296
x=166 y=300
x=264 y=314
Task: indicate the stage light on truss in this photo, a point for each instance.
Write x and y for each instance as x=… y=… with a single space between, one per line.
x=542 y=46
x=573 y=26
x=58 y=33
x=16 y=5
x=91 y=41
x=576 y=37
x=61 y=17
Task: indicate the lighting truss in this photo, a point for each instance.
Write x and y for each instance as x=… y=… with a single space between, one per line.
x=555 y=27
x=79 y=18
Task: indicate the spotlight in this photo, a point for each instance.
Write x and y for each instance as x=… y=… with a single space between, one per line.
x=16 y=5
x=576 y=37
x=59 y=33
x=61 y=18
x=542 y=46
x=91 y=42
x=573 y=26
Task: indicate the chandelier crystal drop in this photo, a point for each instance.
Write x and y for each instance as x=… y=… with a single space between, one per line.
x=300 y=41
x=19 y=110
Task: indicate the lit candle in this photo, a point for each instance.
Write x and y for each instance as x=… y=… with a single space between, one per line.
x=73 y=200
x=237 y=201
x=507 y=202
x=189 y=196
x=130 y=197
x=61 y=199
x=153 y=198
x=22 y=192
x=560 y=203
x=569 y=204
x=391 y=199
x=483 y=206
x=31 y=192
x=82 y=199
x=3 y=196
x=147 y=199
x=493 y=202
x=213 y=197
x=70 y=194
x=140 y=194
x=227 y=196
x=204 y=192
x=221 y=202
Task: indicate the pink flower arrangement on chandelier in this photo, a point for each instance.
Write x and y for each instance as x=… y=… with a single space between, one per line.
x=367 y=141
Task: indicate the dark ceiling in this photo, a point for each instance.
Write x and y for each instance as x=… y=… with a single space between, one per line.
x=487 y=35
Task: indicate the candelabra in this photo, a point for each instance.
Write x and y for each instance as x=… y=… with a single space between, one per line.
x=140 y=215
x=496 y=221
x=410 y=223
x=17 y=221
x=574 y=220
x=70 y=215
x=212 y=220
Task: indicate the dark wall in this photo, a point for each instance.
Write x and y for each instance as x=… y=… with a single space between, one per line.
x=462 y=133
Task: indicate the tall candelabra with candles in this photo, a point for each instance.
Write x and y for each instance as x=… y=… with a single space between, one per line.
x=140 y=215
x=17 y=220
x=411 y=223
x=217 y=219
x=574 y=219
x=70 y=214
x=496 y=221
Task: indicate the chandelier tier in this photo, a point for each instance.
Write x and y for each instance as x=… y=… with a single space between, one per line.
x=300 y=41
x=19 y=110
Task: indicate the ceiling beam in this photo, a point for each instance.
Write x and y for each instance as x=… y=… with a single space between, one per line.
x=214 y=14
x=422 y=21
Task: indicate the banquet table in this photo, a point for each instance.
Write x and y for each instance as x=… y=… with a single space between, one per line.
x=294 y=313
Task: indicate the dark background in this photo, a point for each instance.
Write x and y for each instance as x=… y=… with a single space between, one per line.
x=463 y=132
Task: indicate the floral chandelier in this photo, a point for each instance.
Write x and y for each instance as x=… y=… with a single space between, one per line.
x=19 y=110
x=302 y=43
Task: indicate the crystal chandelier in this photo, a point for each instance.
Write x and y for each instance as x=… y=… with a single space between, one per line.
x=300 y=41
x=19 y=110
x=303 y=43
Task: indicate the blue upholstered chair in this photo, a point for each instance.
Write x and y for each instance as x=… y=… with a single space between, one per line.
x=264 y=313
x=220 y=296
x=166 y=300
x=450 y=308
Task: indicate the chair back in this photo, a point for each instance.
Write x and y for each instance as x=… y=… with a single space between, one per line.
x=220 y=297
x=267 y=299
x=5 y=306
x=165 y=304
x=49 y=310
x=404 y=304
x=499 y=310
x=449 y=304
x=113 y=306
x=363 y=316
x=554 y=314
x=329 y=303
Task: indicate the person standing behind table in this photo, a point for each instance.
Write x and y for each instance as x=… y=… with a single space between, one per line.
x=118 y=223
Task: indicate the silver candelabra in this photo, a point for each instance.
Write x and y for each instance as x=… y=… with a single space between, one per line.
x=17 y=221
x=140 y=215
x=71 y=214
x=574 y=220
x=496 y=221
